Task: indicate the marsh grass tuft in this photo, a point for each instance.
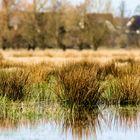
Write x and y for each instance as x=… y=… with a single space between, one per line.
x=74 y=84
x=129 y=60
x=123 y=91
x=77 y=85
x=1 y=56
x=129 y=90
x=13 y=84
x=9 y=64
x=108 y=69
x=26 y=82
x=39 y=72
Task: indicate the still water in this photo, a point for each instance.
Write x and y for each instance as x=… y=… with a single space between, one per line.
x=101 y=124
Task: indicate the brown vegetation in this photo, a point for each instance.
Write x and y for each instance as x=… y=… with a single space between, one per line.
x=62 y=25
x=78 y=84
x=13 y=83
x=73 y=82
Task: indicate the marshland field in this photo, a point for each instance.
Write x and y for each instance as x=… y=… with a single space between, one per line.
x=80 y=95
x=69 y=70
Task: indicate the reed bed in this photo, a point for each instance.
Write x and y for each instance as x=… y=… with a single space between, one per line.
x=17 y=83
x=81 y=83
x=126 y=90
x=80 y=122
x=77 y=85
x=13 y=84
x=28 y=91
x=90 y=84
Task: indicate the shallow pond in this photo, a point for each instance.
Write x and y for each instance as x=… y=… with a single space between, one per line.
x=101 y=124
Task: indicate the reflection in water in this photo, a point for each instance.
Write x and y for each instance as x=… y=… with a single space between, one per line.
x=123 y=123
x=74 y=124
x=126 y=117
x=81 y=123
x=13 y=115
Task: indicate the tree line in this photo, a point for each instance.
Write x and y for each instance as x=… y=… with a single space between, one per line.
x=56 y=24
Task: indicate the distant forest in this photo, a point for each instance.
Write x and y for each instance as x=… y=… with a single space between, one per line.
x=54 y=24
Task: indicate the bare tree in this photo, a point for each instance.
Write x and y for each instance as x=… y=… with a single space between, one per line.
x=93 y=28
x=99 y=6
x=122 y=9
x=137 y=10
x=108 y=7
x=8 y=7
x=34 y=22
x=45 y=22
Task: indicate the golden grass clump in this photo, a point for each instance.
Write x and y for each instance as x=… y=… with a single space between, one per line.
x=18 y=83
x=124 y=90
x=40 y=72
x=127 y=117
x=1 y=56
x=129 y=68
x=118 y=69
x=125 y=60
x=13 y=84
x=108 y=69
x=9 y=64
x=77 y=84
x=23 y=54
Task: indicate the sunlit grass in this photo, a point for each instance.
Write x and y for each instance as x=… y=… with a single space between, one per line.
x=78 y=85
x=13 y=84
x=73 y=83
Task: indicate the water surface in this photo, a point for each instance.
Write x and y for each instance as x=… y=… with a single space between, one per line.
x=101 y=124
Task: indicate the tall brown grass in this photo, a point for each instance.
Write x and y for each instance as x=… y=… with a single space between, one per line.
x=39 y=72
x=13 y=84
x=108 y=69
x=17 y=83
x=41 y=88
x=88 y=83
x=77 y=84
x=1 y=56
x=123 y=87
x=10 y=64
x=123 y=90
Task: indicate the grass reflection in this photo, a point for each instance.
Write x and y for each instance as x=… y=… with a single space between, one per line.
x=76 y=122
x=80 y=123
x=12 y=115
x=124 y=118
